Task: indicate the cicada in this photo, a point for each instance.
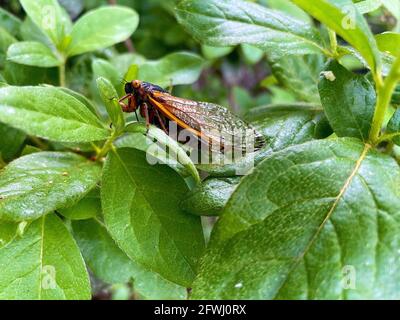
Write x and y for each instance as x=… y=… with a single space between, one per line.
x=211 y=123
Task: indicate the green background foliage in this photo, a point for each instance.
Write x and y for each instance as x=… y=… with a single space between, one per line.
x=84 y=214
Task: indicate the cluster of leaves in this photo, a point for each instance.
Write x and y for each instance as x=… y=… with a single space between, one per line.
x=77 y=193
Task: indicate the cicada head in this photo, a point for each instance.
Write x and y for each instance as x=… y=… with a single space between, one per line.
x=132 y=87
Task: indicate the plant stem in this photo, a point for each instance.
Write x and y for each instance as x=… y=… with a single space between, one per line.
x=107 y=146
x=61 y=73
x=384 y=95
x=333 y=42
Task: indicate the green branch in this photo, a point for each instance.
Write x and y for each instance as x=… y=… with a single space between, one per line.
x=384 y=96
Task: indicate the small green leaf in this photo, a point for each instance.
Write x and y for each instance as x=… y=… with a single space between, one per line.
x=173 y=69
x=6 y=40
x=209 y=198
x=86 y=208
x=102 y=28
x=366 y=6
x=9 y=22
x=155 y=143
x=110 y=99
x=346 y=21
x=394 y=126
x=228 y=23
x=111 y=265
x=39 y=183
x=141 y=206
x=11 y=141
x=50 y=17
x=348 y=100
x=49 y=113
x=43 y=264
x=212 y=53
x=251 y=54
x=308 y=240
x=389 y=42
x=32 y=54
x=103 y=68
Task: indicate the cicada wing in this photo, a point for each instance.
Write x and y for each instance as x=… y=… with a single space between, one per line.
x=215 y=124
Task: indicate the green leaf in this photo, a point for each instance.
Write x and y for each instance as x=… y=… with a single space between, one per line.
x=300 y=75
x=141 y=211
x=9 y=22
x=6 y=40
x=44 y=264
x=348 y=100
x=110 y=99
x=111 y=265
x=289 y=8
x=209 y=198
x=49 y=113
x=308 y=240
x=228 y=23
x=389 y=42
x=50 y=17
x=251 y=54
x=8 y=231
x=103 y=68
x=212 y=53
x=39 y=183
x=89 y=104
x=159 y=145
x=86 y=208
x=346 y=21
x=11 y=141
x=173 y=69
x=102 y=28
x=32 y=54
x=367 y=6
x=394 y=126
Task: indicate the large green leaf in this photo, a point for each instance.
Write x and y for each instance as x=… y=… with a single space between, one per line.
x=39 y=183
x=348 y=100
x=8 y=231
x=173 y=69
x=32 y=54
x=50 y=17
x=141 y=211
x=111 y=265
x=314 y=221
x=343 y=17
x=228 y=23
x=86 y=208
x=44 y=263
x=102 y=28
x=300 y=75
x=209 y=198
x=10 y=141
x=49 y=113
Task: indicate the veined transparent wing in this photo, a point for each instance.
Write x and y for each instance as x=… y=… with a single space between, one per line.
x=212 y=122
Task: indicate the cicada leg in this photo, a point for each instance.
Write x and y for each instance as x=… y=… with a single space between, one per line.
x=145 y=112
x=162 y=121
